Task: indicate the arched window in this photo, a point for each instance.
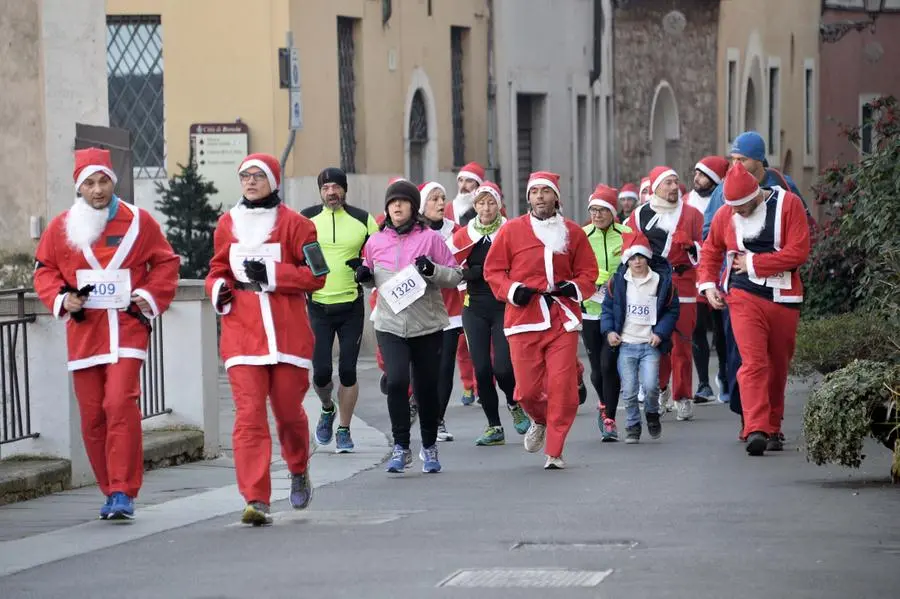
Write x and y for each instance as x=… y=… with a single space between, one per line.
x=418 y=137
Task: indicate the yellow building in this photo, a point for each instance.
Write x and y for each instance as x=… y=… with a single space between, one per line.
x=376 y=82
x=768 y=81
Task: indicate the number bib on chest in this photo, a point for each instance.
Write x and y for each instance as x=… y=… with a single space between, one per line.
x=642 y=311
x=780 y=281
x=267 y=252
x=402 y=289
x=112 y=288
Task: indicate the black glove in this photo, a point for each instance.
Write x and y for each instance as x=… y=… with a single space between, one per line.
x=83 y=292
x=424 y=266
x=256 y=271
x=473 y=273
x=692 y=252
x=522 y=295
x=363 y=274
x=225 y=296
x=565 y=289
x=354 y=263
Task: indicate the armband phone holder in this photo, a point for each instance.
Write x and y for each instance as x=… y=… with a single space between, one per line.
x=315 y=259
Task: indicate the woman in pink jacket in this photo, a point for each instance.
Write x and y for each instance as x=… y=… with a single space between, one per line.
x=409 y=262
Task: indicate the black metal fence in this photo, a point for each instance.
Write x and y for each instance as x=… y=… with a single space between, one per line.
x=15 y=396
x=153 y=383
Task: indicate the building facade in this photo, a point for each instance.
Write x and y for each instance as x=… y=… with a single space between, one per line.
x=388 y=88
x=856 y=69
x=665 y=85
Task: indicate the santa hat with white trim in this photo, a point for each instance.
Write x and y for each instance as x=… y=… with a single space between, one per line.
x=629 y=190
x=427 y=188
x=645 y=184
x=267 y=164
x=713 y=167
x=473 y=170
x=740 y=186
x=633 y=243
x=658 y=175
x=547 y=178
x=491 y=188
x=92 y=160
x=604 y=196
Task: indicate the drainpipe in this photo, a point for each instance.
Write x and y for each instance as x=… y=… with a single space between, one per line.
x=491 y=94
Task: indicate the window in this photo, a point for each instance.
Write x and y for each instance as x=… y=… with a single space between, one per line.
x=731 y=95
x=867 y=118
x=458 y=38
x=418 y=136
x=774 y=123
x=809 y=111
x=347 y=91
x=134 y=71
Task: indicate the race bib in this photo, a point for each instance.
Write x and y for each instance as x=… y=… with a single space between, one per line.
x=642 y=311
x=267 y=252
x=112 y=288
x=780 y=281
x=402 y=289
x=599 y=295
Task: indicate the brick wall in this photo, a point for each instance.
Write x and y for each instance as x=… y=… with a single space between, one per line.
x=644 y=55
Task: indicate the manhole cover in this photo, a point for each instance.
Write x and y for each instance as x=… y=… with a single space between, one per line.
x=576 y=546
x=525 y=578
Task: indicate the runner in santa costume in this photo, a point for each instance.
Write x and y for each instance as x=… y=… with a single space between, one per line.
x=258 y=282
x=763 y=239
x=628 y=201
x=542 y=266
x=644 y=191
x=674 y=230
x=105 y=267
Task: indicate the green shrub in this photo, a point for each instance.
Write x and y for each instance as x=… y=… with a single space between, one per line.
x=16 y=270
x=828 y=344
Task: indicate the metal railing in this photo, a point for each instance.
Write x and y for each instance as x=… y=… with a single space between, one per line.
x=15 y=395
x=153 y=380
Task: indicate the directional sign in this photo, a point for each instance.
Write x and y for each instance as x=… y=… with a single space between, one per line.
x=295 y=68
x=296 y=109
x=218 y=150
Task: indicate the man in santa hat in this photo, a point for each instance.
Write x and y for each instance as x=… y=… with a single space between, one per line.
x=543 y=267
x=628 y=201
x=762 y=236
x=105 y=267
x=674 y=231
x=258 y=281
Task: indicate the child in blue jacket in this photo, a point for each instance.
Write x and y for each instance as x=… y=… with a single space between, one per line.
x=638 y=317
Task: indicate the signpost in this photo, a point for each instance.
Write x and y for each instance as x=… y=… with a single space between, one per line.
x=217 y=150
x=296 y=95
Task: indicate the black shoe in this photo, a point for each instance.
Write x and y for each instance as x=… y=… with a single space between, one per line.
x=582 y=393
x=383 y=384
x=757 y=442
x=775 y=442
x=654 y=427
x=633 y=434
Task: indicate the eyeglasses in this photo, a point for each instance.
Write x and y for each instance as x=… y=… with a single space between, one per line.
x=259 y=177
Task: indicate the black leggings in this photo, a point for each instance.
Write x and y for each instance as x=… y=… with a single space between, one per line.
x=423 y=354
x=346 y=321
x=484 y=331
x=604 y=371
x=450 y=340
x=719 y=341
x=707 y=319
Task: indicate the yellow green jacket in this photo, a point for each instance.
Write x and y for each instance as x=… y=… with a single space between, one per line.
x=607 y=246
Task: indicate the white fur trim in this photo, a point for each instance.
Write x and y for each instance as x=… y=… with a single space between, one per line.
x=512 y=292
x=751 y=271
x=743 y=200
x=602 y=204
x=628 y=194
x=216 y=289
x=655 y=183
x=58 y=304
x=540 y=181
x=702 y=287
x=708 y=172
x=486 y=189
x=636 y=249
x=691 y=258
x=90 y=170
x=154 y=309
x=469 y=175
x=643 y=187
x=270 y=276
x=268 y=360
x=427 y=189
x=264 y=168
x=124 y=247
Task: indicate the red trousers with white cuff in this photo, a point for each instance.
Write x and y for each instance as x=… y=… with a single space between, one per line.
x=765 y=333
x=107 y=398
x=547 y=361
x=679 y=364
x=285 y=385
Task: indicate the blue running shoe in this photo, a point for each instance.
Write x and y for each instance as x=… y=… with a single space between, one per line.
x=106 y=508
x=122 y=507
x=468 y=397
x=343 y=442
x=429 y=457
x=521 y=421
x=301 y=490
x=401 y=459
x=325 y=426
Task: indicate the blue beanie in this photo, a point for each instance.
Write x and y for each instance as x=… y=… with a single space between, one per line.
x=751 y=145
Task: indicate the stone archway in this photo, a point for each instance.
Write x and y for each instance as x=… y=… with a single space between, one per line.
x=665 y=126
x=420 y=131
x=418 y=137
x=753 y=101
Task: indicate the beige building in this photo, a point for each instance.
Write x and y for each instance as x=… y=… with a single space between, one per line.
x=768 y=81
x=376 y=81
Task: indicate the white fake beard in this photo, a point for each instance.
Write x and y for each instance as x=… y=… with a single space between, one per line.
x=749 y=228
x=85 y=224
x=252 y=227
x=461 y=204
x=552 y=232
x=667 y=214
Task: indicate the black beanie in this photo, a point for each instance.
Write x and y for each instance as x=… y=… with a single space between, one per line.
x=332 y=174
x=405 y=190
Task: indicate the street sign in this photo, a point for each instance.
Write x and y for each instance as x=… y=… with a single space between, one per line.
x=295 y=68
x=296 y=97
x=218 y=149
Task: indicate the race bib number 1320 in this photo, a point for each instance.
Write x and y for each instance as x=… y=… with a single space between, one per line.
x=402 y=289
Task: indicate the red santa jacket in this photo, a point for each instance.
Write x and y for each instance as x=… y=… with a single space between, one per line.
x=782 y=246
x=453 y=299
x=517 y=257
x=465 y=238
x=131 y=241
x=674 y=245
x=268 y=326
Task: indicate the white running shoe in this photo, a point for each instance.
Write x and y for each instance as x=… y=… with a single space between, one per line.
x=665 y=400
x=554 y=463
x=684 y=409
x=443 y=434
x=534 y=438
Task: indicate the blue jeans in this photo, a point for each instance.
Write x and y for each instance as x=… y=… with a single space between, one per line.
x=639 y=363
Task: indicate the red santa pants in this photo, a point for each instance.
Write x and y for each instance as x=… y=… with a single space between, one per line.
x=464 y=362
x=680 y=363
x=111 y=424
x=765 y=333
x=549 y=357
x=285 y=385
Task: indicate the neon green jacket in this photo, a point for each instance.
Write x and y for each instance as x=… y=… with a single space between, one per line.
x=607 y=246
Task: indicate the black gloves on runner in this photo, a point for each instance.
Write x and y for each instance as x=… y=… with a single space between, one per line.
x=424 y=266
x=363 y=274
x=473 y=273
x=565 y=289
x=256 y=271
x=522 y=295
x=354 y=263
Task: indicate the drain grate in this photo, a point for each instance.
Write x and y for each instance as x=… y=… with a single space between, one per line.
x=576 y=546
x=525 y=578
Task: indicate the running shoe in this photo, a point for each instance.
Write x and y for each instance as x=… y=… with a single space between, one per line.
x=534 y=438
x=492 y=435
x=633 y=434
x=654 y=426
x=401 y=459
x=553 y=463
x=257 y=514
x=122 y=507
x=468 y=397
x=608 y=431
x=301 y=490
x=775 y=442
x=704 y=394
x=757 y=443
x=665 y=400
x=443 y=434
x=343 y=442
x=325 y=426
x=429 y=457
x=106 y=508
x=521 y=421
x=684 y=409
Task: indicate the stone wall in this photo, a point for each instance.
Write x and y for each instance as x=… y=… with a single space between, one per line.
x=645 y=55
